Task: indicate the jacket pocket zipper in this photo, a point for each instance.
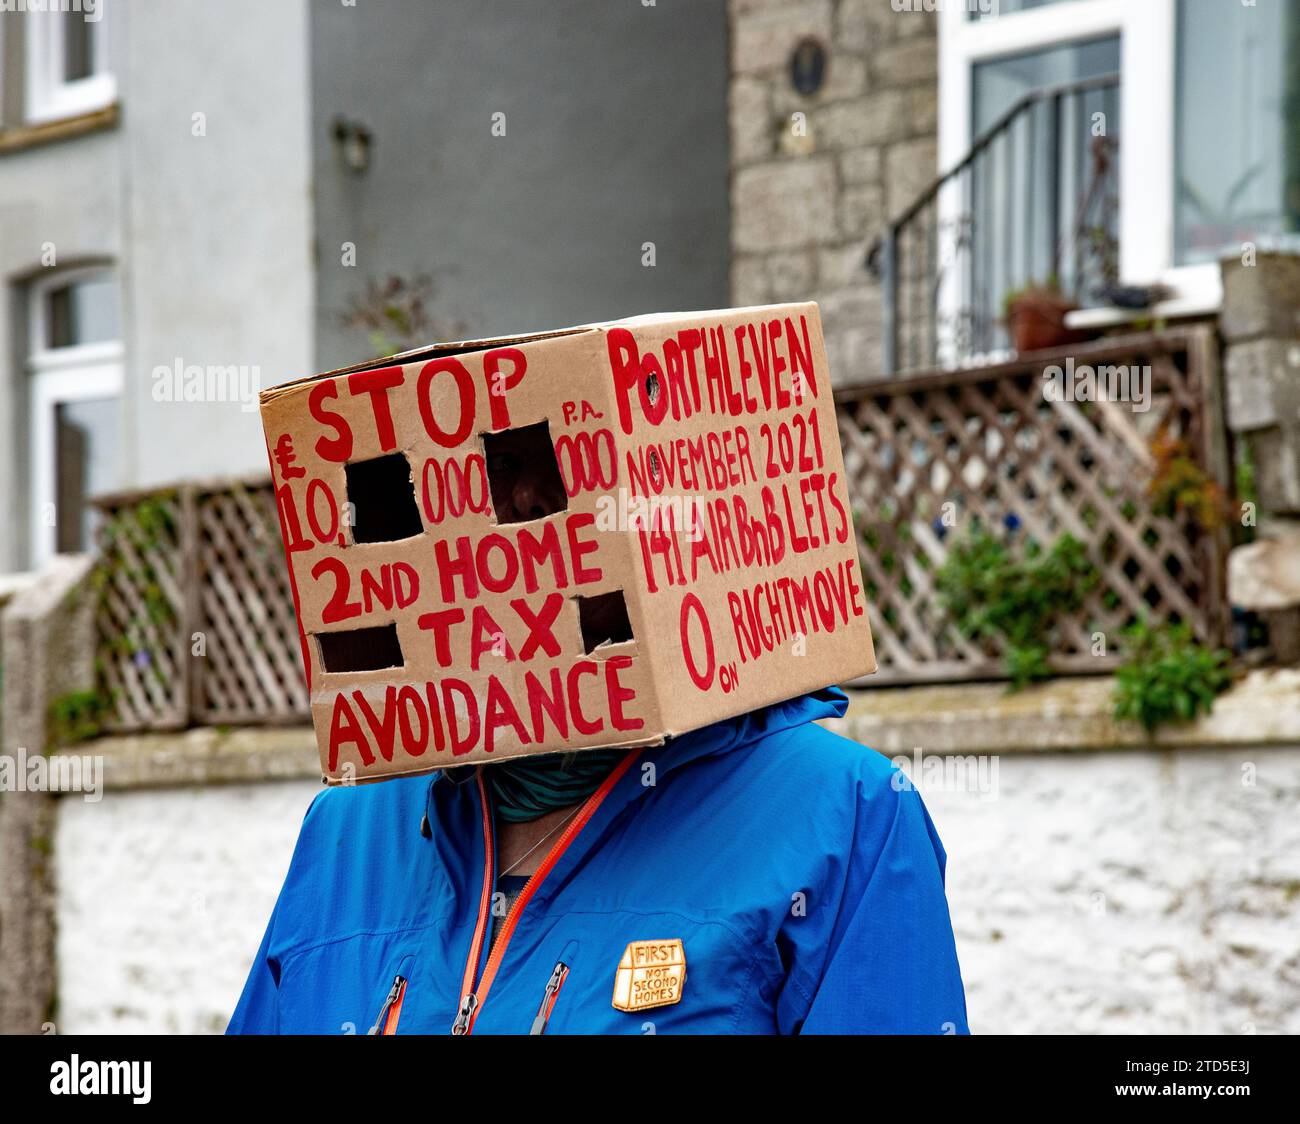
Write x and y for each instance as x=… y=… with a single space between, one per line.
x=391 y=1011
x=552 y=993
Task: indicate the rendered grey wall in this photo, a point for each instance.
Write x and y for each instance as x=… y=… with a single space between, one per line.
x=218 y=266
x=616 y=120
x=210 y=234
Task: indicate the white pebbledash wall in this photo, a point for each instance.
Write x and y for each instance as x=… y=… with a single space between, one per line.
x=163 y=898
x=1131 y=891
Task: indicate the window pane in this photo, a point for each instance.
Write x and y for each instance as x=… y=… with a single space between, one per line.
x=999 y=84
x=78 y=46
x=1042 y=203
x=1237 y=163
x=82 y=312
x=988 y=9
x=87 y=456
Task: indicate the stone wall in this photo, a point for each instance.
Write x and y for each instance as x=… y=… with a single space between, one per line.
x=814 y=178
x=1260 y=325
x=46 y=646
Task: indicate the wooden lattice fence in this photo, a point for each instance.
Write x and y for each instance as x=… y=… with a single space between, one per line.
x=195 y=619
x=990 y=443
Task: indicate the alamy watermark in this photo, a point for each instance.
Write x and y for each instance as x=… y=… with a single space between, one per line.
x=947 y=772
x=35 y=772
x=686 y=515
x=1106 y=382
x=982 y=7
x=89 y=1077
x=191 y=382
x=91 y=10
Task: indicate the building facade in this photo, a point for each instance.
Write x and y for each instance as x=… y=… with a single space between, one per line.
x=202 y=200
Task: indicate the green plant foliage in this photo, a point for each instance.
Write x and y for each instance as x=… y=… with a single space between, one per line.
x=76 y=717
x=1050 y=288
x=993 y=593
x=1180 y=487
x=1167 y=676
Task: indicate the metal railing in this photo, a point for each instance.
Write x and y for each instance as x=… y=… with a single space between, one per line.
x=1034 y=203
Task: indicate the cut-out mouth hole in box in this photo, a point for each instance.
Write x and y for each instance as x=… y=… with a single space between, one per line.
x=603 y=619
x=361 y=649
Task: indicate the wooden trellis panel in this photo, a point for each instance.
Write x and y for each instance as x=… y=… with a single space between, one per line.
x=195 y=619
x=139 y=584
x=254 y=671
x=989 y=442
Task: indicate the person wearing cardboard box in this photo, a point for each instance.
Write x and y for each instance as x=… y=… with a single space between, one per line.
x=700 y=856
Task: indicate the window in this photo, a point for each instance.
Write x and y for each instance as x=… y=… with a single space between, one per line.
x=982 y=60
x=67 y=62
x=1237 y=156
x=74 y=406
x=1210 y=102
x=1026 y=201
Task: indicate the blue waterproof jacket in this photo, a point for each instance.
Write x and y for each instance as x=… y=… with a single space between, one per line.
x=798 y=870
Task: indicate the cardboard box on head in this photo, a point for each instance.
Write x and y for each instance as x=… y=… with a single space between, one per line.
x=587 y=538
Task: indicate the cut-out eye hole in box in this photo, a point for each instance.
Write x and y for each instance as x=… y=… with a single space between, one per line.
x=383 y=499
x=361 y=649
x=523 y=473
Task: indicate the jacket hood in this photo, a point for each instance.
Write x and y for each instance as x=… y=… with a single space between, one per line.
x=728 y=735
x=736 y=733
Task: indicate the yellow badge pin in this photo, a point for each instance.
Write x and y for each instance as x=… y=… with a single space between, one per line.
x=650 y=974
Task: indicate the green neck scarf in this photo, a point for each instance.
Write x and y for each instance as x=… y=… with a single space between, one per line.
x=530 y=787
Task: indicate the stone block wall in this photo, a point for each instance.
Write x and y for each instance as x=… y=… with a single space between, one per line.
x=815 y=178
x=1260 y=326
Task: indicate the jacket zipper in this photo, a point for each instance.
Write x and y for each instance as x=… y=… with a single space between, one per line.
x=552 y=993
x=391 y=1011
x=468 y=1001
x=473 y=997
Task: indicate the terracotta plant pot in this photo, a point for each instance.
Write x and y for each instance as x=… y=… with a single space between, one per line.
x=1036 y=321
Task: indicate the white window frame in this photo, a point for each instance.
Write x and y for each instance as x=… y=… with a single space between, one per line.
x=1148 y=49
x=48 y=96
x=55 y=376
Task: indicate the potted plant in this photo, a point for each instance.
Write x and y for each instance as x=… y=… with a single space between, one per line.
x=1035 y=318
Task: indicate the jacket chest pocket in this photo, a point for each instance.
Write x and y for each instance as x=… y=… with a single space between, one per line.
x=554 y=986
x=647 y=974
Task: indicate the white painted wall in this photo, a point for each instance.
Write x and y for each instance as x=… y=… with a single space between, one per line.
x=163 y=899
x=1129 y=893
x=1125 y=892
